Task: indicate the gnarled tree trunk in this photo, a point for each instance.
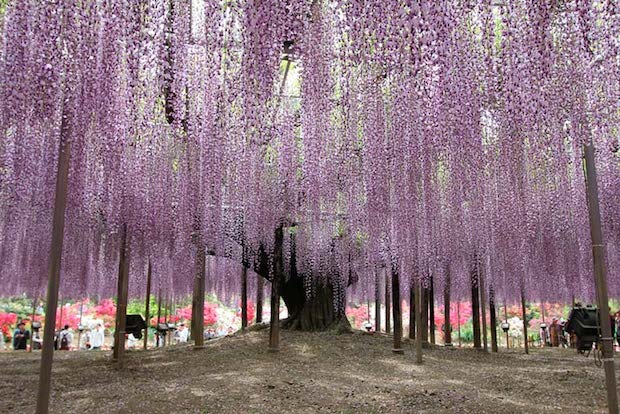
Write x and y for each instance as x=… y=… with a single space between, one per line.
x=320 y=309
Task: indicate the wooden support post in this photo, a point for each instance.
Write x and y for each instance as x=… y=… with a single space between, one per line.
x=543 y=338
x=506 y=319
x=263 y=271
x=398 y=315
x=54 y=262
x=259 y=299
x=278 y=270
x=244 y=291
x=475 y=306
x=195 y=288
x=412 y=309
x=431 y=311
x=157 y=333
x=62 y=306
x=34 y=312
x=418 y=323
x=600 y=278
x=388 y=305
x=79 y=341
x=147 y=305
x=483 y=308
x=447 y=328
x=458 y=321
x=527 y=349
x=166 y=307
x=377 y=302
x=199 y=294
x=121 y=305
x=244 y=298
x=493 y=321
x=424 y=315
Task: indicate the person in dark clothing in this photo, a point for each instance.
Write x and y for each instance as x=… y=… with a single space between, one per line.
x=21 y=336
x=617 y=322
x=612 y=323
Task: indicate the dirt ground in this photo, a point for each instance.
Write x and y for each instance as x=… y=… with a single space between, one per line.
x=313 y=373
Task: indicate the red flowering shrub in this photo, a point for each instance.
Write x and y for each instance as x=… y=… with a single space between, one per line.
x=358 y=315
x=70 y=316
x=251 y=311
x=8 y=318
x=185 y=314
x=7 y=321
x=106 y=311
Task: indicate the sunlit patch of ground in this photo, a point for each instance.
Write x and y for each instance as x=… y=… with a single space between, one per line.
x=313 y=373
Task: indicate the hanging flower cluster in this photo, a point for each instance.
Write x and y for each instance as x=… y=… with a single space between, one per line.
x=429 y=138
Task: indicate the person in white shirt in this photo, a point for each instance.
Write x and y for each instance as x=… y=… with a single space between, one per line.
x=97 y=337
x=65 y=339
x=181 y=335
x=132 y=341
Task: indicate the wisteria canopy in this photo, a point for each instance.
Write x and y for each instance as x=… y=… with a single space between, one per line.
x=424 y=136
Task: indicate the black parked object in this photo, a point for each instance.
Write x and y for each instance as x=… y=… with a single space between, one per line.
x=583 y=322
x=135 y=325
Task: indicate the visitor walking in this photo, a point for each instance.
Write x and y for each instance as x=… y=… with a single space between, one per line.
x=97 y=337
x=553 y=333
x=21 y=337
x=562 y=333
x=65 y=338
x=160 y=339
x=37 y=342
x=544 y=337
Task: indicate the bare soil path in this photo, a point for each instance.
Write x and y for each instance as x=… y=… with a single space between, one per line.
x=313 y=373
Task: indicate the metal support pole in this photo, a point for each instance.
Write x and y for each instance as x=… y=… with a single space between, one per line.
x=600 y=278
x=58 y=226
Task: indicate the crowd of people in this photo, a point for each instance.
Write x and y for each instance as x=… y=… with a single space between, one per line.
x=554 y=335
